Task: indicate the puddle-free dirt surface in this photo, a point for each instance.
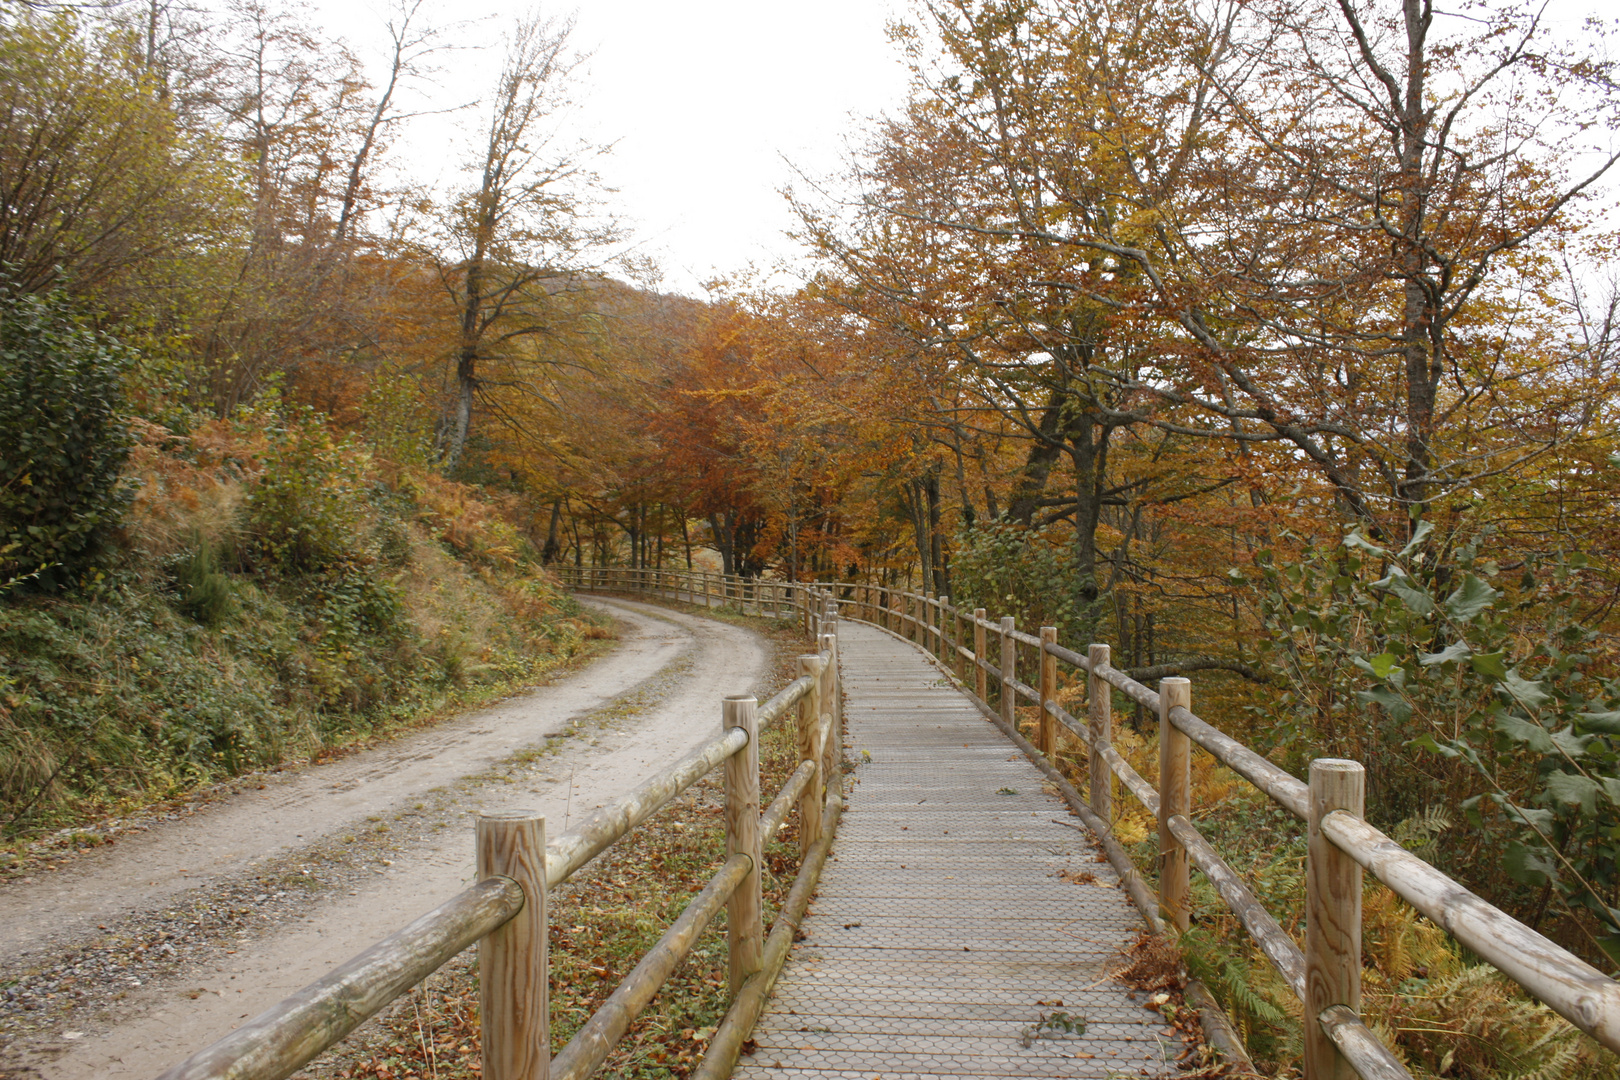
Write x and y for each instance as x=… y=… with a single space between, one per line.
x=130 y=958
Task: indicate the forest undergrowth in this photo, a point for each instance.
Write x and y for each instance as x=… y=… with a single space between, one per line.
x=275 y=595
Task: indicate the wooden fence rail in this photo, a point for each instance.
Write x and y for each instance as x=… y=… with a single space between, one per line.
x=1326 y=974
x=505 y=911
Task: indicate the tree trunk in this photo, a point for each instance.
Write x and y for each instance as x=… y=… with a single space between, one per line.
x=1088 y=449
x=1043 y=452
x=548 y=554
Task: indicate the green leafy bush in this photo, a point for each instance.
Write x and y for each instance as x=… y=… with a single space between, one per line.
x=62 y=442
x=306 y=511
x=1463 y=686
x=1026 y=573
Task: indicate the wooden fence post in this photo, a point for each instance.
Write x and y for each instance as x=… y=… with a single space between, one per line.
x=745 y=927
x=513 y=961
x=1009 y=654
x=1332 y=915
x=959 y=664
x=811 y=749
x=981 y=678
x=833 y=750
x=1100 y=712
x=1175 y=797
x=1049 y=720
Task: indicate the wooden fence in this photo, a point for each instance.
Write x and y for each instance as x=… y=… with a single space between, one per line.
x=505 y=911
x=1326 y=974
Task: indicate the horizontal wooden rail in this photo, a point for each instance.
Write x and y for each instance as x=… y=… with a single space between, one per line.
x=1571 y=987
x=594 y=1041
x=1025 y=639
x=292 y=1033
x=602 y=829
x=779 y=703
x=1273 y=940
x=776 y=814
x=1285 y=790
x=727 y=1044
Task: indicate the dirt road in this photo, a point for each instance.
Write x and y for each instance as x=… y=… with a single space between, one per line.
x=129 y=958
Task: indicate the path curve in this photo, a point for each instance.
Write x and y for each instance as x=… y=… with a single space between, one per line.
x=681 y=664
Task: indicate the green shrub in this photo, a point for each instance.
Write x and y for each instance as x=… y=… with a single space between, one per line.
x=306 y=511
x=204 y=592
x=62 y=443
x=1462 y=686
x=1029 y=574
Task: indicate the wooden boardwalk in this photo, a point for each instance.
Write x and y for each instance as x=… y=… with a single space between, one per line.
x=958 y=911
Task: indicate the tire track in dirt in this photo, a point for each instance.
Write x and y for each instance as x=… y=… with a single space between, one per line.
x=409 y=805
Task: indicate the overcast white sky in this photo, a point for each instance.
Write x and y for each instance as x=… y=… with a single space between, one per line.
x=707 y=101
x=710 y=104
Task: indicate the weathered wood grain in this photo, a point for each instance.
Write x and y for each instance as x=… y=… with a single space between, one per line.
x=1332 y=915
x=1371 y=1059
x=745 y=928
x=1009 y=660
x=979 y=676
x=1574 y=989
x=513 y=961
x=782 y=702
x=1175 y=797
x=1048 y=691
x=810 y=749
x=1100 y=724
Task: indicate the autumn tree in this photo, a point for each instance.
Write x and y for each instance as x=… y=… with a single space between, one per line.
x=98 y=177
x=1337 y=219
x=524 y=230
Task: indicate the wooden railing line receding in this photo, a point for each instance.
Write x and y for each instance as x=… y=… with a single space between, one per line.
x=508 y=924
x=1582 y=994
x=1576 y=990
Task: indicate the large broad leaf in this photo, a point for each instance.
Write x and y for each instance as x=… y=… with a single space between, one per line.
x=1451 y=653
x=1570 y=789
x=1356 y=540
x=1489 y=663
x=1604 y=723
x=1570 y=743
x=1535 y=817
x=1531 y=693
x=1523 y=731
x=1384 y=665
x=1418 y=536
x=1469 y=599
x=1391 y=702
x=1528 y=866
x=1414 y=596
x=1429 y=742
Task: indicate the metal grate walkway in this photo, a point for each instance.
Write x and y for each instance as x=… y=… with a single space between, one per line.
x=943 y=933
